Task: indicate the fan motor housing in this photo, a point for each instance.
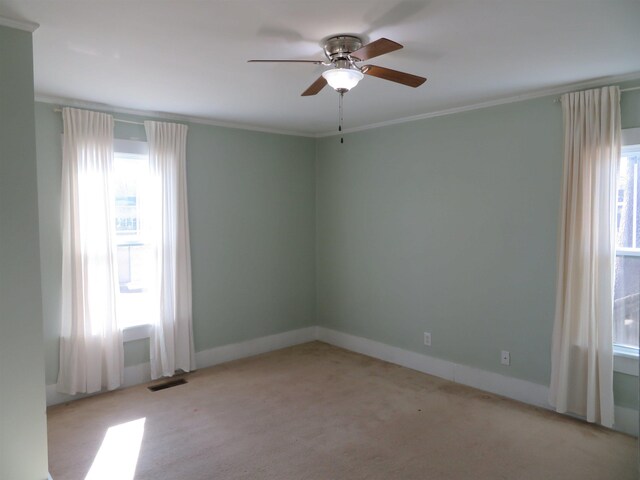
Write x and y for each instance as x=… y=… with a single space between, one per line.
x=339 y=47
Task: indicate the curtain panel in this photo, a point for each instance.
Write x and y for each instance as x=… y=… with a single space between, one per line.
x=91 y=352
x=171 y=346
x=582 y=350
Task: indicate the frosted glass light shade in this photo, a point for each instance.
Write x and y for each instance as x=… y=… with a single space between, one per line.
x=342 y=78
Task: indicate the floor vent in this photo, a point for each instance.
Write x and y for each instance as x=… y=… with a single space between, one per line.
x=169 y=384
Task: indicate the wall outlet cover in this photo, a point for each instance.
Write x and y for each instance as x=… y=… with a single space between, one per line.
x=505 y=358
x=427 y=339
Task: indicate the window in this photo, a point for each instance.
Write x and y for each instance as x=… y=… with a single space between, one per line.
x=136 y=264
x=626 y=303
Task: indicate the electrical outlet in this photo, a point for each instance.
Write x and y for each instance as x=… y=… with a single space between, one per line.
x=427 y=339
x=505 y=358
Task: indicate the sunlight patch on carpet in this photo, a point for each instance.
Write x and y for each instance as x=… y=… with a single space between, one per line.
x=118 y=454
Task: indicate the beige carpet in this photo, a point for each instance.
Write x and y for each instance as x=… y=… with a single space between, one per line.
x=319 y=412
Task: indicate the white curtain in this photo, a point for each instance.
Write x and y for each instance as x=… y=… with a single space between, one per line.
x=91 y=356
x=171 y=345
x=582 y=352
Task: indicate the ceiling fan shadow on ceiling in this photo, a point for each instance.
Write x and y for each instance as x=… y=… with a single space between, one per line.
x=344 y=53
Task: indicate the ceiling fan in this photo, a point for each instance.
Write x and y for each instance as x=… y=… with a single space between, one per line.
x=343 y=53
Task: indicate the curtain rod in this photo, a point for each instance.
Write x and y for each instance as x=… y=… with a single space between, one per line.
x=59 y=110
x=622 y=90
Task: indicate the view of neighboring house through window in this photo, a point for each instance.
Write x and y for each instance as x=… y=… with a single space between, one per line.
x=135 y=253
x=626 y=305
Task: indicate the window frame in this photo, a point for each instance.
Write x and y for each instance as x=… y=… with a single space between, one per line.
x=133 y=147
x=625 y=359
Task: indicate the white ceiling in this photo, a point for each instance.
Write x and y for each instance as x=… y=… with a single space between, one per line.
x=189 y=57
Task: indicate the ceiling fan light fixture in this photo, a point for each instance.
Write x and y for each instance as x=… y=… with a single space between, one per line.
x=342 y=79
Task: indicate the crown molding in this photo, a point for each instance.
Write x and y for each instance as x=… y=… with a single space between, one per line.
x=69 y=102
x=18 y=24
x=555 y=91
x=492 y=103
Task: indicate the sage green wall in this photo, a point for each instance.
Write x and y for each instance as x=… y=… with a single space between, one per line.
x=252 y=219
x=449 y=225
x=23 y=429
x=446 y=225
x=630 y=107
x=625 y=390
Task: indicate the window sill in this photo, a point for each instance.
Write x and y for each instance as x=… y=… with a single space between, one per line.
x=625 y=360
x=136 y=332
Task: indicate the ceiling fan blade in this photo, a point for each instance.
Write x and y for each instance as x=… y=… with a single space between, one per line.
x=317 y=62
x=393 y=75
x=375 y=49
x=315 y=87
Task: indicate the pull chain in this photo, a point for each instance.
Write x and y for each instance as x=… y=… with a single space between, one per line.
x=340 y=119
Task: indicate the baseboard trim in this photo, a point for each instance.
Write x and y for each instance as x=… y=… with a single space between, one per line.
x=132 y=375
x=141 y=373
x=249 y=348
x=524 y=391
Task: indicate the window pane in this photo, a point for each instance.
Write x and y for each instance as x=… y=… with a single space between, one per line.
x=134 y=260
x=626 y=303
x=627 y=203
